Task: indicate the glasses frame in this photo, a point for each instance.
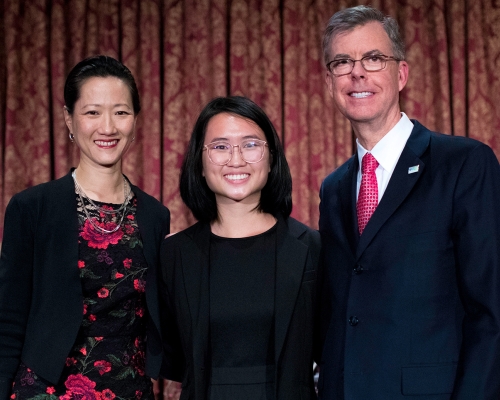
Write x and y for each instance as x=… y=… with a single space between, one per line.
x=383 y=56
x=205 y=147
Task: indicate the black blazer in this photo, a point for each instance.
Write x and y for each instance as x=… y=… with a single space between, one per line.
x=40 y=289
x=412 y=306
x=184 y=309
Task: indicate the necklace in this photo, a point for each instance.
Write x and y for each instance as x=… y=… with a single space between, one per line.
x=81 y=193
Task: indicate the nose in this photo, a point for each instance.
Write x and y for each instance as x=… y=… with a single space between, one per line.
x=107 y=123
x=357 y=70
x=236 y=157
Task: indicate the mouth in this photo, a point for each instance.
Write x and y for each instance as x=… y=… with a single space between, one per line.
x=106 y=143
x=361 y=95
x=236 y=177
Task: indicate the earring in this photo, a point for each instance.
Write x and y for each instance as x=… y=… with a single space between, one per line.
x=71 y=137
x=133 y=138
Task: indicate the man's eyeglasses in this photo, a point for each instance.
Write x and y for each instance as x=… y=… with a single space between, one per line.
x=371 y=63
x=251 y=150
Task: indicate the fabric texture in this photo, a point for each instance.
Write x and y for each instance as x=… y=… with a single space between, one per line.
x=368 y=191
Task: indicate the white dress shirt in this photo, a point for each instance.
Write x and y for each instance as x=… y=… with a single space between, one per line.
x=386 y=152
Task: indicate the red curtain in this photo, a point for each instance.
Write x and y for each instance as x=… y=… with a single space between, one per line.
x=183 y=53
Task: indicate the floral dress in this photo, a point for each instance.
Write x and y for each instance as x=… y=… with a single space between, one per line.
x=107 y=359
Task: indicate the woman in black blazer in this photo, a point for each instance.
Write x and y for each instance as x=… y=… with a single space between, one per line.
x=77 y=255
x=238 y=288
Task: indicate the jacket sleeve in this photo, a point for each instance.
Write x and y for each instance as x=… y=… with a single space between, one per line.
x=476 y=235
x=16 y=265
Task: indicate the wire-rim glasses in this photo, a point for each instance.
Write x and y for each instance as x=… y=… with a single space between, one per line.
x=371 y=63
x=251 y=151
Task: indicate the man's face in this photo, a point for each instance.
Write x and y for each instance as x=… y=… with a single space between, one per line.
x=367 y=97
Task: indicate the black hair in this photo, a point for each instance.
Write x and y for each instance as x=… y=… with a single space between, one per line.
x=276 y=196
x=102 y=67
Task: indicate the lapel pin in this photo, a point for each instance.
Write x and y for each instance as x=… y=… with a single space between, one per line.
x=413 y=169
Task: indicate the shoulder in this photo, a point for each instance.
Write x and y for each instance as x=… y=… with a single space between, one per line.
x=338 y=173
x=303 y=232
x=150 y=203
x=187 y=236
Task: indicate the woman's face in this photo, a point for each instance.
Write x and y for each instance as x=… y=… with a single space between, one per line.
x=103 y=121
x=237 y=181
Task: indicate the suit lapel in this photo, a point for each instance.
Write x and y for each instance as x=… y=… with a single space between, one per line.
x=195 y=267
x=291 y=256
x=347 y=189
x=400 y=184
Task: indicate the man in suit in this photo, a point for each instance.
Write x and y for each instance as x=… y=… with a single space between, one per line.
x=411 y=232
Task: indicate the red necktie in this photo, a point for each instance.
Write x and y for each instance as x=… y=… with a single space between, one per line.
x=368 y=191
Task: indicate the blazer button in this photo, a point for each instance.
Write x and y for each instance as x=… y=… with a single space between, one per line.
x=358 y=269
x=353 y=320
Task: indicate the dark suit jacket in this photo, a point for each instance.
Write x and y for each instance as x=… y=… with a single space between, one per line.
x=40 y=289
x=184 y=309
x=412 y=307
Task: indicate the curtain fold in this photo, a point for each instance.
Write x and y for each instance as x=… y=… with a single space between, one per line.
x=185 y=52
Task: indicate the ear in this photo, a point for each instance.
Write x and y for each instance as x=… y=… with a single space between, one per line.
x=403 y=71
x=68 y=119
x=329 y=82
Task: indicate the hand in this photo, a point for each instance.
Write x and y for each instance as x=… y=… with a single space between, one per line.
x=164 y=389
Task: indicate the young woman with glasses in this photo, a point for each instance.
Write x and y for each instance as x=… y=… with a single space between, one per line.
x=238 y=288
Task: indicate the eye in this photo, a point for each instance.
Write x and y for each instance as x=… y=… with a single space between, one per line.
x=219 y=146
x=376 y=58
x=92 y=112
x=122 y=113
x=340 y=62
x=250 y=144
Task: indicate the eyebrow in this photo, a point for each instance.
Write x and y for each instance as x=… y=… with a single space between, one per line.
x=224 y=139
x=100 y=105
x=368 y=53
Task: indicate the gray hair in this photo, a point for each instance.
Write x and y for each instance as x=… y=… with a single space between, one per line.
x=349 y=18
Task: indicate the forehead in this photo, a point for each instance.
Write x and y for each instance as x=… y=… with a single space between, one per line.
x=105 y=88
x=360 y=40
x=227 y=126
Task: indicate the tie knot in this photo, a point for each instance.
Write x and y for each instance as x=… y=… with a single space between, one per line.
x=369 y=164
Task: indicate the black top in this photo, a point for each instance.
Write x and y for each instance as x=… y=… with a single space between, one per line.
x=242 y=290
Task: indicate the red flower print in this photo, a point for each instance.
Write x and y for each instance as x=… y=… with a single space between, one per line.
x=83 y=350
x=130 y=217
x=50 y=390
x=81 y=264
x=92 y=318
x=138 y=362
x=80 y=387
x=85 y=309
x=118 y=275
x=70 y=361
x=98 y=338
x=102 y=215
x=107 y=394
x=102 y=366
x=137 y=343
x=99 y=240
x=129 y=229
x=13 y=396
x=138 y=394
x=127 y=263
x=139 y=285
x=139 y=311
x=102 y=293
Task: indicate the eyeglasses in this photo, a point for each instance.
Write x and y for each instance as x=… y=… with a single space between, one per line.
x=371 y=63
x=251 y=150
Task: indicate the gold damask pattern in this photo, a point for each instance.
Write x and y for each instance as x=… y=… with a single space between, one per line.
x=183 y=53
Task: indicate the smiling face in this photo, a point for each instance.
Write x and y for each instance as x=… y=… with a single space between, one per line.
x=103 y=122
x=237 y=181
x=370 y=98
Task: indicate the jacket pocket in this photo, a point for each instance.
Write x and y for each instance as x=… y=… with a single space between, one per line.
x=428 y=379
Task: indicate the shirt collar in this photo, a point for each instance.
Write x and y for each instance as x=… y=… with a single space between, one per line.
x=390 y=147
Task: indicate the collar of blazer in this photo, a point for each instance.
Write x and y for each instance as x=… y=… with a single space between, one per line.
x=397 y=190
x=292 y=256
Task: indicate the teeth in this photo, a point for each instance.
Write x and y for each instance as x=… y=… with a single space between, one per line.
x=106 y=144
x=360 y=95
x=236 y=177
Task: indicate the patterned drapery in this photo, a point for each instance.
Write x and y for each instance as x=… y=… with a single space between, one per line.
x=184 y=52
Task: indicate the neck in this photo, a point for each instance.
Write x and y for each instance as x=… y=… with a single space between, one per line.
x=241 y=220
x=105 y=185
x=370 y=133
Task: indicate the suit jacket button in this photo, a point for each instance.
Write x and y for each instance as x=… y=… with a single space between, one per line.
x=358 y=269
x=353 y=320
